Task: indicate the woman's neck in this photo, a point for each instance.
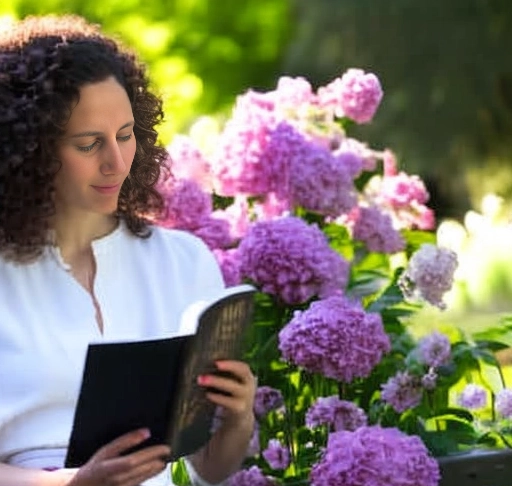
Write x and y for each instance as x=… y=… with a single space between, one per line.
x=74 y=235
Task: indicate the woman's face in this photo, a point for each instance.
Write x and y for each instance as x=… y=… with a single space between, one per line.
x=96 y=151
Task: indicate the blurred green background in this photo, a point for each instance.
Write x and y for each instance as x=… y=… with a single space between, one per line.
x=446 y=69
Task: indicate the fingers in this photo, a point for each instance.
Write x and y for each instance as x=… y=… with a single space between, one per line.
x=109 y=467
x=122 y=444
x=235 y=392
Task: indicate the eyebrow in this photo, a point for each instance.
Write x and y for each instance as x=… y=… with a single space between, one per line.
x=95 y=134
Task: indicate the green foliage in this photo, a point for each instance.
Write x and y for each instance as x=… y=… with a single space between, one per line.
x=200 y=53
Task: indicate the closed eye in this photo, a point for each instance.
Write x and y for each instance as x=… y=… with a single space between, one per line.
x=125 y=138
x=88 y=148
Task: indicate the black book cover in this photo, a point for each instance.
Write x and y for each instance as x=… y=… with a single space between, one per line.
x=153 y=384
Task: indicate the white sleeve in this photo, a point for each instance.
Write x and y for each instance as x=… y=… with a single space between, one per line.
x=197 y=480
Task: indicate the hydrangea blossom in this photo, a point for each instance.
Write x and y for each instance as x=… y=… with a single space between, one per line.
x=215 y=232
x=320 y=182
x=252 y=476
x=267 y=399
x=503 y=403
x=402 y=391
x=402 y=195
x=434 y=349
x=335 y=337
x=229 y=262
x=276 y=454
x=356 y=95
x=186 y=204
x=336 y=413
x=375 y=456
x=429 y=274
x=375 y=229
x=292 y=92
x=188 y=162
x=473 y=397
x=288 y=258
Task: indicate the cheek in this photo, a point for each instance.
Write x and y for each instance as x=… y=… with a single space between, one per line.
x=129 y=151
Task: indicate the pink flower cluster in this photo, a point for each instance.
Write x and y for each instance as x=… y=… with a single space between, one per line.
x=403 y=196
x=356 y=95
x=375 y=456
x=335 y=337
x=429 y=274
x=292 y=260
x=337 y=414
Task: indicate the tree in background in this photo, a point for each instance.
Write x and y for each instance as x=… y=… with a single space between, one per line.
x=446 y=69
x=200 y=53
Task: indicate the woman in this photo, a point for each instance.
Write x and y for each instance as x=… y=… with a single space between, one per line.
x=80 y=261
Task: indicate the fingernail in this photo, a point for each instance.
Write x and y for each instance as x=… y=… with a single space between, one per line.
x=201 y=379
x=146 y=433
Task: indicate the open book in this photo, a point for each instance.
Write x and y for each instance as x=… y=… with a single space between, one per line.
x=153 y=383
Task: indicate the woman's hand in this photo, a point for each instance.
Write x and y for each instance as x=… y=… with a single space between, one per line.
x=233 y=390
x=109 y=468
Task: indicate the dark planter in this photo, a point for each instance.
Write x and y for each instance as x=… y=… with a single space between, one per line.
x=477 y=468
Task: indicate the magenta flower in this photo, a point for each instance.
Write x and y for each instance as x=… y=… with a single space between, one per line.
x=187 y=205
x=292 y=260
x=188 y=162
x=335 y=413
x=267 y=399
x=321 y=182
x=367 y=158
x=214 y=232
x=356 y=95
x=375 y=229
x=335 y=337
x=375 y=456
x=402 y=391
x=434 y=349
x=241 y=163
x=504 y=403
x=229 y=262
x=429 y=274
x=271 y=206
x=250 y=477
x=276 y=454
x=473 y=397
x=293 y=92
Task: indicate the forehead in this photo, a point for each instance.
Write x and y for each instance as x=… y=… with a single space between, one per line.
x=102 y=106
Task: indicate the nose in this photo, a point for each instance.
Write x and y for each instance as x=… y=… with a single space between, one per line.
x=113 y=162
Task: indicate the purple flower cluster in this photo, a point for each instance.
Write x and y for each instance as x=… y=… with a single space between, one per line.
x=337 y=414
x=429 y=274
x=356 y=95
x=250 y=477
x=429 y=379
x=229 y=263
x=402 y=391
x=290 y=259
x=435 y=349
x=473 y=397
x=276 y=455
x=267 y=399
x=504 y=403
x=335 y=337
x=186 y=204
x=375 y=229
x=320 y=182
x=375 y=456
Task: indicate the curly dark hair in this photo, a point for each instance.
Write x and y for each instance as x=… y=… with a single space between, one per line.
x=44 y=61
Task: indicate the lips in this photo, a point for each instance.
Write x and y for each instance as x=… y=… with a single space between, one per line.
x=111 y=189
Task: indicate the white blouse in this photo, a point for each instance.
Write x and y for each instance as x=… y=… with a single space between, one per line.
x=47 y=320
